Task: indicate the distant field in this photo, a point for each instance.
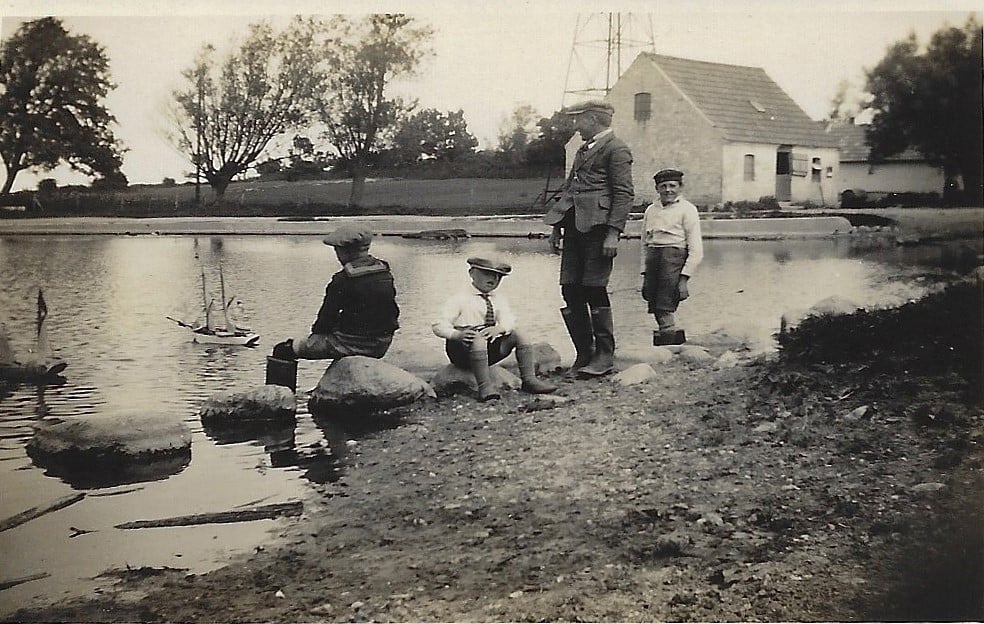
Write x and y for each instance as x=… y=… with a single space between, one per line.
x=436 y=197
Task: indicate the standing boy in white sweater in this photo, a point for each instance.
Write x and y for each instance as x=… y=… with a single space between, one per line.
x=671 y=250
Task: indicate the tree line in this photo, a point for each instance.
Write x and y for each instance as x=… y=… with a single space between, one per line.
x=320 y=85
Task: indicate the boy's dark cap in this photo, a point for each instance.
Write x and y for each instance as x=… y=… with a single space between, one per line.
x=595 y=106
x=668 y=175
x=489 y=265
x=349 y=235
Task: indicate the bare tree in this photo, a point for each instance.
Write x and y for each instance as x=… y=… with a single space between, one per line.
x=230 y=110
x=365 y=55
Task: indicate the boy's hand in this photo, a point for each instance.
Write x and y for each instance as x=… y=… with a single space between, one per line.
x=467 y=335
x=490 y=333
x=682 y=287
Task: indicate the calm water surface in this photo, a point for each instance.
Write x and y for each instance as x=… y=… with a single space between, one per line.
x=108 y=297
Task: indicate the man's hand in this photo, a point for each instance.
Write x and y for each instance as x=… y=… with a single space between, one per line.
x=682 y=287
x=555 y=239
x=610 y=246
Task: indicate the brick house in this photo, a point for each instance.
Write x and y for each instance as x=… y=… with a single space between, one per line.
x=907 y=172
x=731 y=129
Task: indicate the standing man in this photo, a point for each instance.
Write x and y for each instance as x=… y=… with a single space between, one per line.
x=587 y=220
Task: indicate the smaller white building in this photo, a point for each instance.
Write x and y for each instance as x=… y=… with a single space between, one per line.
x=907 y=172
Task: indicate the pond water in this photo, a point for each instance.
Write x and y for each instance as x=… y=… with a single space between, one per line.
x=108 y=297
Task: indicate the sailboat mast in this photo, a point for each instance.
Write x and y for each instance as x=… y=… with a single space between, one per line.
x=205 y=306
x=225 y=308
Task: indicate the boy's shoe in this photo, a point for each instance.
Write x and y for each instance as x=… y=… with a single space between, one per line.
x=537 y=386
x=284 y=350
x=669 y=337
x=488 y=396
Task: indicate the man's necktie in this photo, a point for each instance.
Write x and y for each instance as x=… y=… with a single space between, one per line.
x=489 y=310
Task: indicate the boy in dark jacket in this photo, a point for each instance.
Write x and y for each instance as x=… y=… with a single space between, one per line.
x=359 y=313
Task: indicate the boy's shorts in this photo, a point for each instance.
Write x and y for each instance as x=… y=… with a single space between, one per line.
x=582 y=261
x=460 y=355
x=661 y=283
x=340 y=344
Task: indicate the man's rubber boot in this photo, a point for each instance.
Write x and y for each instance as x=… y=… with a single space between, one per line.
x=281 y=372
x=527 y=371
x=669 y=337
x=479 y=361
x=603 y=360
x=578 y=323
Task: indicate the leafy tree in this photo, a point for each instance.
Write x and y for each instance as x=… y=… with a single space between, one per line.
x=549 y=147
x=230 y=110
x=366 y=55
x=932 y=101
x=51 y=110
x=516 y=133
x=429 y=133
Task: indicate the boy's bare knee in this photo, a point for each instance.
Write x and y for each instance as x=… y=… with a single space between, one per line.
x=478 y=346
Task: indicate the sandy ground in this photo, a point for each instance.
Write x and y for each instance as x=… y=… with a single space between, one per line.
x=780 y=489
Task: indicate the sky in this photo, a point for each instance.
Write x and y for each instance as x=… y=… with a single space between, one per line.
x=492 y=57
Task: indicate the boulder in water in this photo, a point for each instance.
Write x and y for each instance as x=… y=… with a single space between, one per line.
x=268 y=403
x=100 y=451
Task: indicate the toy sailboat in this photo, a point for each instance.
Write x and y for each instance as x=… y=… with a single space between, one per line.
x=222 y=326
x=38 y=365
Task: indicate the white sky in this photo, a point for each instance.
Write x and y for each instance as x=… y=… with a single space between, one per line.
x=491 y=57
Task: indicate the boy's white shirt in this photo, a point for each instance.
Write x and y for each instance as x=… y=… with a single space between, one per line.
x=676 y=225
x=467 y=309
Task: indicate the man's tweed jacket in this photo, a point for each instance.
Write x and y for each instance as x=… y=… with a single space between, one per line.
x=599 y=186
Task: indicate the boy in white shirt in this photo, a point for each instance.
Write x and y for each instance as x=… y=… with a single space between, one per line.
x=671 y=250
x=480 y=329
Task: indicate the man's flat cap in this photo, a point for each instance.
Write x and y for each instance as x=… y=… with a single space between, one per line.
x=489 y=265
x=349 y=235
x=595 y=106
x=668 y=175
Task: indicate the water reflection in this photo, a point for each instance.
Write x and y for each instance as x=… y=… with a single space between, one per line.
x=84 y=473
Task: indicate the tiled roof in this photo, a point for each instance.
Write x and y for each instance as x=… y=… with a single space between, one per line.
x=743 y=102
x=854 y=146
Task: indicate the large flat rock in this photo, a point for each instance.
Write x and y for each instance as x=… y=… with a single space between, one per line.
x=366 y=384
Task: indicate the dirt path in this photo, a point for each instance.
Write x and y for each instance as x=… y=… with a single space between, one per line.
x=775 y=490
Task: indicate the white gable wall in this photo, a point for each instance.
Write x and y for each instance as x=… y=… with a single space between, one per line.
x=735 y=187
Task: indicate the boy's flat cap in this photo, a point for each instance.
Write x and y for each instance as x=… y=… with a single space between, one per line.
x=596 y=106
x=668 y=175
x=489 y=265
x=349 y=235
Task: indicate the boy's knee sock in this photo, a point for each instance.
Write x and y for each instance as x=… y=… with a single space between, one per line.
x=479 y=361
x=527 y=371
x=665 y=320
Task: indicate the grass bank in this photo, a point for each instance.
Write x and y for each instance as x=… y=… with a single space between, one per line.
x=466 y=196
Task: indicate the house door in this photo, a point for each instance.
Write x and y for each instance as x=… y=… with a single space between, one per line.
x=783 y=174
